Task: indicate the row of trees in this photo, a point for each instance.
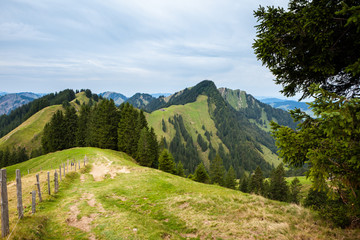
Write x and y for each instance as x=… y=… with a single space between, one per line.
x=17 y=155
x=105 y=126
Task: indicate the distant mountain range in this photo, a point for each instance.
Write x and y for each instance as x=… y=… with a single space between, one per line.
x=11 y=101
x=286 y=104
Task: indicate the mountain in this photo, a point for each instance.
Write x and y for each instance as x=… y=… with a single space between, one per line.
x=11 y=101
x=257 y=112
x=117 y=97
x=156 y=95
x=196 y=123
x=3 y=93
x=140 y=100
x=114 y=198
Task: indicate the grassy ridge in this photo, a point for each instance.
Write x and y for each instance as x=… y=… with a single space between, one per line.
x=29 y=133
x=144 y=203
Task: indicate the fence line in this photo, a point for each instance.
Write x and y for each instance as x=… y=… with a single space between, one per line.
x=5 y=228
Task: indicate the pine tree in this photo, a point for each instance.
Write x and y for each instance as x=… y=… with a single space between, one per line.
x=143 y=155
x=153 y=148
x=217 y=171
x=257 y=182
x=201 y=174
x=127 y=137
x=70 y=127
x=244 y=187
x=83 y=126
x=166 y=162
x=295 y=189
x=279 y=190
x=180 y=169
x=230 y=178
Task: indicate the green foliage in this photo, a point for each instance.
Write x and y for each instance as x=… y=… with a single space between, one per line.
x=295 y=188
x=166 y=162
x=17 y=155
x=143 y=155
x=279 y=190
x=83 y=126
x=230 y=178
x=202 y=143
x=311 y=42
x=329 y=143
x=244 y=185
x=127 y=127
x=180 y=169
x=217 y=171
x=257 y=182
x=201 y=175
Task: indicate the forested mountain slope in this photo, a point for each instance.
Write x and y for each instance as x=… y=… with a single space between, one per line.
x=257 y=112
x=219 y=129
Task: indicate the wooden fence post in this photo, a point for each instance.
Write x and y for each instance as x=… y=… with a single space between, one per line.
x=38 y=187
x=33 y=203
x=5 y=229
x=64 y=169
x=79 y=164
x=19 y=194
x=75 y=165
x=67 y=166
x=28 y=171
x=56 y=183
x=48 y=175
x=84 y=160
x=60 y=172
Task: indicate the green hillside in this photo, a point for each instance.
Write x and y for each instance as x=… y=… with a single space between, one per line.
x=196 y=119
x=131 y=202
x=29 y=133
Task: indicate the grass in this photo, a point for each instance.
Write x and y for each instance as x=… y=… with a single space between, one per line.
x=149 y=204
x=28 y=134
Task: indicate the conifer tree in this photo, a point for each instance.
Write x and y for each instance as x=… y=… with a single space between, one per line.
x=217 y=171
x=257 y=181
x=83 y=126
x=153 y=148
x=143 y=155
x=201 y=174
x=180 y=169
x=244 y=187
x=230 y=178
x=295 y=189
x=279 y=190
x=127 y=137
x=166 y=162
x=70 y=127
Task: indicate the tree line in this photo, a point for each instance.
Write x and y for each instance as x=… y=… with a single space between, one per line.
x=103 y=125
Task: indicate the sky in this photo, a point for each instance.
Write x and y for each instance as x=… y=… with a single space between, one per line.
x=147 y=46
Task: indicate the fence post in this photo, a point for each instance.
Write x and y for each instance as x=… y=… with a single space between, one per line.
x=79 y=164
x=33 y=203
x=56 y=183
x=19 y=193
x=64 y=169
x=60 y=172
x=5 y=229
x=75 y=165
x=38 y=187
x=48 y=175
x=67 y=166
x=85 y=160
x=28 y=171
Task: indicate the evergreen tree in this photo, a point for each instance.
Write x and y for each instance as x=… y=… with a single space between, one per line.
x=244 y=186
x=153 y=148
x=70 y=127
x=279 y=190
x=143 y=156
x=127 y=128
x=201 y=174
x=266 y=189
x=83 y=126
x=180 y=169
x=257 y=181
x=166 y=162
x=230 y=178
x=103 y=125
x=295 y=189
x=54 y=132
x=217 y=171
x=163 y=125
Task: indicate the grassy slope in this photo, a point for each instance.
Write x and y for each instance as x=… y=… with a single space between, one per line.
x=195 y=115
x=29 y=133
x=149 y=204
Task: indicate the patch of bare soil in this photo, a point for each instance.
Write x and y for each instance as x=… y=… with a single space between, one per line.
x=84 y=223
x=100 y=170
x=92 y=201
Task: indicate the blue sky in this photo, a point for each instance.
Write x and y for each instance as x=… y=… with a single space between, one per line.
x=130 y=46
